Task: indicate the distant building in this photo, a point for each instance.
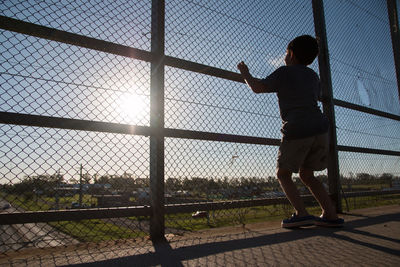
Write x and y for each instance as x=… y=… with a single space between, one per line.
x=108 y=201
x=396 y=183
x=72 y=189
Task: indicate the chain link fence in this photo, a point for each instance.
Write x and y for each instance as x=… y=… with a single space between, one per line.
x=363 y=71
x=84 y=157
x=220 y=34
x=65 y=169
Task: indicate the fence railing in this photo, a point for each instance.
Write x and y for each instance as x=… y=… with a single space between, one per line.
x=154 y=132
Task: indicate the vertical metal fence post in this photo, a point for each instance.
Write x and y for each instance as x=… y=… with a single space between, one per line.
x=395 y=33
x=328 y=106
x=157 y=221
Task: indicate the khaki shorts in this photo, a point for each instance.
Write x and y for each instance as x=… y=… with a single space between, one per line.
x=310 y=153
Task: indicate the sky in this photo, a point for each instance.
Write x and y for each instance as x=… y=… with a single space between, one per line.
x=48 y=78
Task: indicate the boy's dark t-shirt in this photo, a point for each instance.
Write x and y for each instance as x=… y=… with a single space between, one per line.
x=298 y=90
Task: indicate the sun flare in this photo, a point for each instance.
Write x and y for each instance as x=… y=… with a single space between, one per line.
x=132 y=107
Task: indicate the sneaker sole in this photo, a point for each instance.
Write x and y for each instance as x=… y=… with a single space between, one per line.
x=298 y=224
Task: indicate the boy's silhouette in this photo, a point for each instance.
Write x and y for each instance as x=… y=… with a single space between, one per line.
x=305 y=142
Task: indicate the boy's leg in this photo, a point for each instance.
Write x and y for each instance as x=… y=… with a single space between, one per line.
x=290 y=189
x=319 y=192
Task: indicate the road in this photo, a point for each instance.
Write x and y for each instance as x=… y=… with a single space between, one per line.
x=38 y=235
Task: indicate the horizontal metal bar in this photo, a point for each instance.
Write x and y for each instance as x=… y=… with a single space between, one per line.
x=176 y=133
x=72 y=124
x=72 y=215
x=221 y=205
x=372 y=193
x=204 y=69
x=32 y=29
x=108 y=127
x=365 y=109
x=98 y=126
x=44 y=32
x=368 y=150
x=102 y=213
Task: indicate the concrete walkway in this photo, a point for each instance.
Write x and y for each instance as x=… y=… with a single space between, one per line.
x=370 y=237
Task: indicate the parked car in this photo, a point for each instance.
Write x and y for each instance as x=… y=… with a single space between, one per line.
x=200 y=214
x=6 y=206
x=75 y=205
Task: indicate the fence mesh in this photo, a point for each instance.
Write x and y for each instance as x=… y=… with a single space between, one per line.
x=45 y=169
x=48 y=78
x=221 y=34
x=365 y=130
x=52 y=169
x=361 y=54
x=121 y=22
x=363 y=73
x=398 y=11
x=204 y=103
x=371 y=173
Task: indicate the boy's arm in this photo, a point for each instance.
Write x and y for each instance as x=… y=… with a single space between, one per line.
x=255 y=84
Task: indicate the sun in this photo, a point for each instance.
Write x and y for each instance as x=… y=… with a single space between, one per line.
x=132 y=108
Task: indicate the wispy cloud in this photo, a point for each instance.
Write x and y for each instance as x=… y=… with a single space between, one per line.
x=277 y=61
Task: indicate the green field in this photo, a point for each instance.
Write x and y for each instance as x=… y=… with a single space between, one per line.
x=100 y=230
x=83 y=230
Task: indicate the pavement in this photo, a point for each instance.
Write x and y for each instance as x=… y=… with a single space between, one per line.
x=39 y=235
x=370 y=237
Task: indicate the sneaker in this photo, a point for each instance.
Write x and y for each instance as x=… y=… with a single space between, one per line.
x=321 y=221
x=296 y=221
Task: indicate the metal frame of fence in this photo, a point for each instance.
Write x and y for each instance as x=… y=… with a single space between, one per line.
x=157 y=132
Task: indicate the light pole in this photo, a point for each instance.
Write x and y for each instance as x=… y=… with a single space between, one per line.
x=80 y=186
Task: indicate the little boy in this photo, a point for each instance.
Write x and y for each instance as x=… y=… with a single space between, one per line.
x=305 y=142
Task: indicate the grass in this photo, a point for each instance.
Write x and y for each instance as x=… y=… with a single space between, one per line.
x=43 y=203
x=231 y=217
x=370 y=201
x=84 y=230
x=95 y=230
x=99 y=230
x=64 y=202
x=25 y=203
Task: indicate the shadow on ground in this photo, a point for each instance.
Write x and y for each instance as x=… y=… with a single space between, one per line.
x=370 y=237
x=370 y=240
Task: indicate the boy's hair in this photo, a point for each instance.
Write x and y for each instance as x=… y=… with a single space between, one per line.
x=305 y=49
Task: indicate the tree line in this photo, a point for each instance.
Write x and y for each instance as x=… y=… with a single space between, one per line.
x=127 y=183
